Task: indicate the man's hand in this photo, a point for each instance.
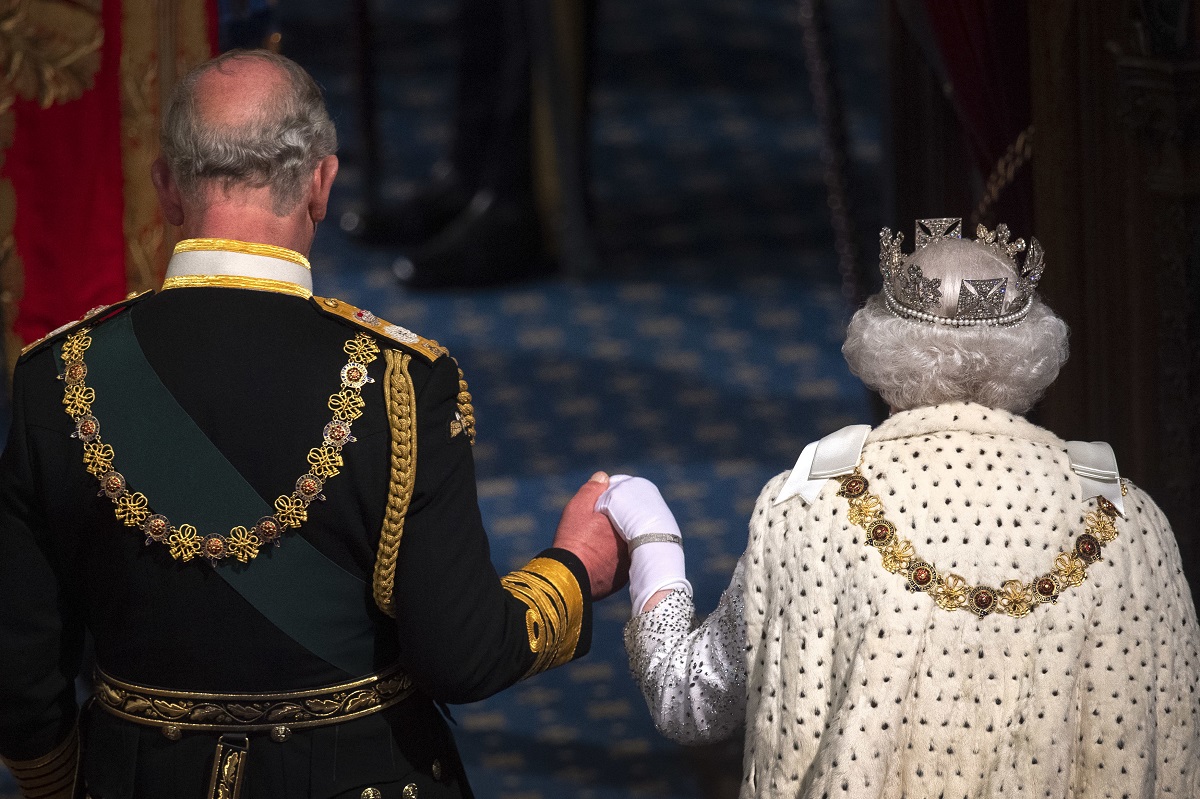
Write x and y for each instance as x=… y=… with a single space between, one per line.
x=591 y=538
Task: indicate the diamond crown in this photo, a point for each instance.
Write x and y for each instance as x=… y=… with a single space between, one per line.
x=985 y=301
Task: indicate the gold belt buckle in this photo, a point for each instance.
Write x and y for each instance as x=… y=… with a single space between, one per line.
x=229 y=765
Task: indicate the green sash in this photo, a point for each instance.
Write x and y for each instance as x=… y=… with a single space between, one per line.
x=164 y=455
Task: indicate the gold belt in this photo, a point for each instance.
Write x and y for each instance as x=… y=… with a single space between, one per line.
x=175 y=711
x=234 y=715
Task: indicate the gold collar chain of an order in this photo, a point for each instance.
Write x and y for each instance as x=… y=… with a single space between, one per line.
x=185 y=541
x=1014 y=598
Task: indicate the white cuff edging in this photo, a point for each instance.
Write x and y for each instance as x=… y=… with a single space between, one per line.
x=654 y=567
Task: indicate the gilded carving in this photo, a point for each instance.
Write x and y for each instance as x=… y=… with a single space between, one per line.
x=49 y=50
x=161 y=40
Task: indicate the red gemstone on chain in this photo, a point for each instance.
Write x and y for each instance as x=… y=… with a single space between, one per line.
x=156 y=527
x=921 y=576
x=214 y=546
x=854 y=487
x=308 y=486
x=337 y=432
x=267 y=529
x=1087 y=548
x=1046 y=587
x=354 y=375
x=983 y=599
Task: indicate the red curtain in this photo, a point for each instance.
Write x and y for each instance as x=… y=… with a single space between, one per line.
x=71 y=228
x=65 y=167
x=985 y=52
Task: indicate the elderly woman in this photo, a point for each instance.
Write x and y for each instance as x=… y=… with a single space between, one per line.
x=956 y=603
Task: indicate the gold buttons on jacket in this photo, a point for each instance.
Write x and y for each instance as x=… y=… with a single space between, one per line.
x=410 y=791
x=436 y=770
x=371 y=793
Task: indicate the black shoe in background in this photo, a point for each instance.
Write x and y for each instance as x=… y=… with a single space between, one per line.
x=415 y=218
x=492 y=241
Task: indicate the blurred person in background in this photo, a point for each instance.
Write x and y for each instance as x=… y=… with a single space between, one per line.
x=509 y=199
x=956 y=603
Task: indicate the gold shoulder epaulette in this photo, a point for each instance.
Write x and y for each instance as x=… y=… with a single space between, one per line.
x=426 y=347
x=97 y=315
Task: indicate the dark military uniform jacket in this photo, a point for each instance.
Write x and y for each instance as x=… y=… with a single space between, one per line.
x=249 y=493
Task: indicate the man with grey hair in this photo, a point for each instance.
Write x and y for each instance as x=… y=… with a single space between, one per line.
x=277 y=137
x=284 y=570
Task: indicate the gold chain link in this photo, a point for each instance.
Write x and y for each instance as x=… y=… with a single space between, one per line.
x=1015 y=598
x=242 y=543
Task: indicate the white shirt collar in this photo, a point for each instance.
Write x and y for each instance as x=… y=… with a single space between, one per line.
x=237 y=264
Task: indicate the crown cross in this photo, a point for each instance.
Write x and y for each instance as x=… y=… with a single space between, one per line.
x=929 y=230
x=979 y=299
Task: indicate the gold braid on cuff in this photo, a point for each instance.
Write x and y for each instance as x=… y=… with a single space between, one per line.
x=401 y=404
x=51 y=776
x=554 y=620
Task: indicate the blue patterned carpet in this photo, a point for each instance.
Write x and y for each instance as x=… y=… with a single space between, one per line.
x=705 y=358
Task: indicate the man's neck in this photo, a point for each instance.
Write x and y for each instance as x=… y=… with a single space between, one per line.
x=251 y=223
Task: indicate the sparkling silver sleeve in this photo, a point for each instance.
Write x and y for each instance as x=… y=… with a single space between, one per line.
x=692 y=676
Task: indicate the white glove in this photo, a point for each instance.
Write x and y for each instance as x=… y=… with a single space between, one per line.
x=638 y=511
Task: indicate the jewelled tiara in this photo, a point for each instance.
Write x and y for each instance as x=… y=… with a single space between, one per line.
x=983 y=302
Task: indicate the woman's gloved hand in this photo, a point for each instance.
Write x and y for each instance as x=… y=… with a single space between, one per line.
x=641 y=516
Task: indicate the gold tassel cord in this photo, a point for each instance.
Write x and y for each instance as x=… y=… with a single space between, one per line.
x=401 y=406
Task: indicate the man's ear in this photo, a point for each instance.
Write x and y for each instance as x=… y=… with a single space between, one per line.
x=322 y=183
x=167 y=190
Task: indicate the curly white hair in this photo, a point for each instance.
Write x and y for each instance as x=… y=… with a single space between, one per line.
x=914 y=364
